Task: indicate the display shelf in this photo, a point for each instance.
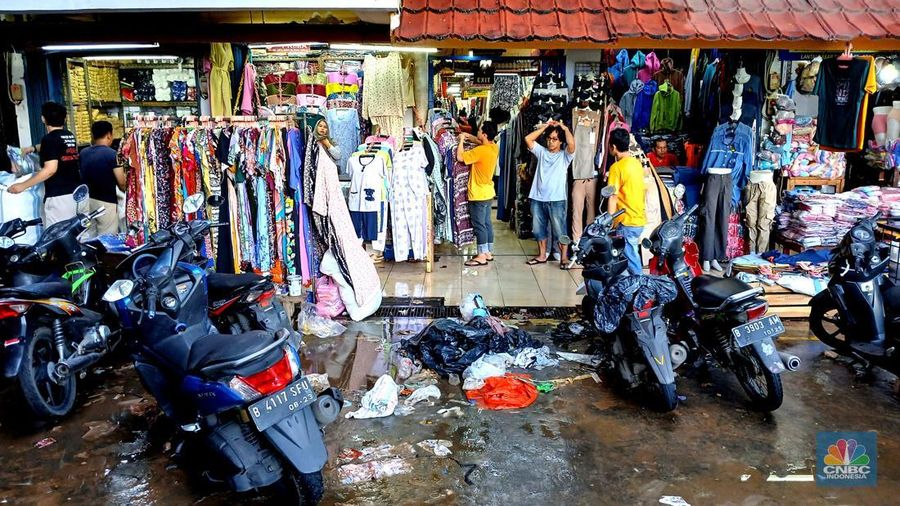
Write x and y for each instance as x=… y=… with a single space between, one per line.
x=160 y=103
x=838 y=183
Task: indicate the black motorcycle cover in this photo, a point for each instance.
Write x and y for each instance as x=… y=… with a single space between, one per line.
x=627 y=292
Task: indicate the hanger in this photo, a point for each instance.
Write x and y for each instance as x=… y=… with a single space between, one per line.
x=846 y=55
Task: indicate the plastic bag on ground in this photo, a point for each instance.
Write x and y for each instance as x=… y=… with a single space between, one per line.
x=488 y=366
x=449 y=347
x=537 y=358
x=472 y=305
x=310 y=322
x=380 y=401
x=512 y=391
x=423 y=394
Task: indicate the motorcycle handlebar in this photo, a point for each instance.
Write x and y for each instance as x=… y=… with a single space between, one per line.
x=31 y=223
x=618 y=213
x=691 y=210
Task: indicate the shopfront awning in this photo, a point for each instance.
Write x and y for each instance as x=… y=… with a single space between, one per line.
x=562 y=24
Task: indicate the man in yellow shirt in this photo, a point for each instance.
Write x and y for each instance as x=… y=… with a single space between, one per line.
x=627 y=176
x=483 y=159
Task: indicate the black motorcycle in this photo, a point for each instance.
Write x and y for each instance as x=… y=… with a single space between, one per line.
x=248 y=417
x=633 y=337
x=237 y=302
x=723 y=319
x=51 y=336
x=859 y=314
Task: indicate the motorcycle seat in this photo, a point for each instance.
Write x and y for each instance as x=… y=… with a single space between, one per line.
x=38 y=290
x=222 y=286
x=712 y=291
x=228 y=350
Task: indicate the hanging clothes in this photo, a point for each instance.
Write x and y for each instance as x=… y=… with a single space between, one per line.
x=383 y=93
x=331 y=208
x=343 y=126
x=222 y=60
x=409 y=203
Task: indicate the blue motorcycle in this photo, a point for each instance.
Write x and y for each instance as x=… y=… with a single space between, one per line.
x=246 y=413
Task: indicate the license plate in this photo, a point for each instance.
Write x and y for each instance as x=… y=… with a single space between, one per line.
x=276 y=407
x=757 y=330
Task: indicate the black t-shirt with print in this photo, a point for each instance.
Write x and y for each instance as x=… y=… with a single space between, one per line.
x=840 y=87
x=60 y=145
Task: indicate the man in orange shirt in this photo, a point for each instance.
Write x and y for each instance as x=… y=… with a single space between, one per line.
x=483 y=159
x=660 y=156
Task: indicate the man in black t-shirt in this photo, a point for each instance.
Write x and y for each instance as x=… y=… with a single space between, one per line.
x=59 y=166
x=100 y=170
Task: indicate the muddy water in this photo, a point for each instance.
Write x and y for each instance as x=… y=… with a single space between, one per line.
x=580 y=444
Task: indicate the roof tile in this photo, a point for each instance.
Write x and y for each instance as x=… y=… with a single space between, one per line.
x=604 y=21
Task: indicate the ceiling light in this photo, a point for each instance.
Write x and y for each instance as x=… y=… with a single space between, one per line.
x=98 y=47
x=117 y=57
x=373 y=47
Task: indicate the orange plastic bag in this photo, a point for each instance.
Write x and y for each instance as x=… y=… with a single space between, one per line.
x=511 y=391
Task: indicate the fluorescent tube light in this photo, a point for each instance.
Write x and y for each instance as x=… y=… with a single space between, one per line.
x=97 y=47
x=117 y=57
x=373 y=47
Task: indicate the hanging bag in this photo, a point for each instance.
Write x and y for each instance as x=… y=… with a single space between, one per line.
x=328 y=298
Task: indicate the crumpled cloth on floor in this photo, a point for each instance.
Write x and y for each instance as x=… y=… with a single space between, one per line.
x=380 y=401
x=511 y=391
x=449 y=347
x=632 y=291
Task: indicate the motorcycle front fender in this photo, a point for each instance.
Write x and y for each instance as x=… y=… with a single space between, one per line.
x=767 y=352
x=13 y=350
x=299 y=439
x=652 y=337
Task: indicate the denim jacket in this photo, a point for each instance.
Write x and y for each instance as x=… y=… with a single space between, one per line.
x=731 y=150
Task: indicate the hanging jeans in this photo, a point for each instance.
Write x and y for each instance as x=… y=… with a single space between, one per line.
x=584 y=193
x=759 y=200
x=716 y=209
x=480 y=214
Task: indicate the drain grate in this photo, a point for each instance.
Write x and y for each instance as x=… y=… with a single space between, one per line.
x=504 y=312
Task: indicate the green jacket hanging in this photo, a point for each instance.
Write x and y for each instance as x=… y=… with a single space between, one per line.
x=666 y=111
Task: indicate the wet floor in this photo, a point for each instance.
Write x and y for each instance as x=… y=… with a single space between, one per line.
x=579 y=444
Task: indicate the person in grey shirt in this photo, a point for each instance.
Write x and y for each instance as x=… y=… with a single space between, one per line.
x=548 y=191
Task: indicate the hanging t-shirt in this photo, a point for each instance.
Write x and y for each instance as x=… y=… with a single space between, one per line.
x=60 y=145
x=586 y=124
x=367 y=173
x=841 y=87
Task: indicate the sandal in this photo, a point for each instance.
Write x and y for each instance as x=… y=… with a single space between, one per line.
x=564 y=266
x=535 y=261
x=474 y=263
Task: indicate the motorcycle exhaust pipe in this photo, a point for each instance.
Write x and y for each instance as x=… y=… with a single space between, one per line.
x=678 y=353
x=792 y=362
x=76 y=363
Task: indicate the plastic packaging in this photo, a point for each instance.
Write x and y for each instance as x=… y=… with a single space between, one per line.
x=380 y=401
x=22 y=165
x=310 y=322
x=423 y=394
x=472 y=305
x=328 y=298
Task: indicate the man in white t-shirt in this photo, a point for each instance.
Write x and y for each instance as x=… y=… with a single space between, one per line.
x=548 y=191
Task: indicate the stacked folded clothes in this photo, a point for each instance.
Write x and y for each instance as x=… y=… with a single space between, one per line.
x=814 y=219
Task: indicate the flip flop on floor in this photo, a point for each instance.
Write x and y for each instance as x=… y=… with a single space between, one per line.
x=474 y=263
x=535 y=261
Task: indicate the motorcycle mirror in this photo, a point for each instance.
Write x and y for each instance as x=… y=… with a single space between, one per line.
x=678 y=192
x=565 y=240
x=608 y=191
x=215 y=200
x=81 y=193
x=6 y=242
x=193 y=203
x=120 y=289
x=646 y=243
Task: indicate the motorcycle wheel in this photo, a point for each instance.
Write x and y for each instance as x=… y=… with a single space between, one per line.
x=43 y=396
x=666 y=399
x=761 y=385
x=826 y=323
x=305 y=489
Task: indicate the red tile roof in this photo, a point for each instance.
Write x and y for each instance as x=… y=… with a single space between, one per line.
x=609 y=21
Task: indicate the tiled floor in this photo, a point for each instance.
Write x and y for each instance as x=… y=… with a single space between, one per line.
x=507 y=281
